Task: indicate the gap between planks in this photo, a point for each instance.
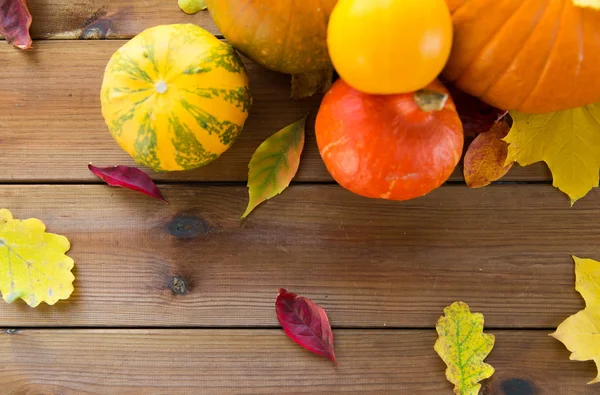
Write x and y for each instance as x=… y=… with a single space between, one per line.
x=218 y=362
x=369 y=263
x=54 y=121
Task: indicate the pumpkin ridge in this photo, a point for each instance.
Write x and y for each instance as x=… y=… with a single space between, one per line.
x=287 y=35
x=515 y=58
x=225 y=130
x=237 y=16
x=239 y=97
x=129 y=67
x=325 y=16
x=187 y=146
x=549 y=56
x=491 y=39
x=581 y=42
x=145 y=143
x=150 y=55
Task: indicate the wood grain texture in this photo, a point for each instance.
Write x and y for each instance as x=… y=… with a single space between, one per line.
x=51 y=125
x=505 y=250
x=215 y=362
x=93 y=19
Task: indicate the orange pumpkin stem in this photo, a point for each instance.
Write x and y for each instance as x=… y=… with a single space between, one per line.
x=429 y=100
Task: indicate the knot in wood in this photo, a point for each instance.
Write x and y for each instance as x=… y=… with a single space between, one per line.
x=178 y=286
x=517 y=386
x=188 y=226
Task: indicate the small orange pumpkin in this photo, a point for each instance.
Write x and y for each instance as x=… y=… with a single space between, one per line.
x=394 y=147
x=533 y=56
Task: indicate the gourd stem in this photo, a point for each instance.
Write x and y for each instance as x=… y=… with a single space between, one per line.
x=429 y=100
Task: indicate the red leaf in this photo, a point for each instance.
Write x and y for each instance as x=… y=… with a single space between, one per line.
x=305 y=323
x=129 y=178
x=15 y=21
x=476 y=116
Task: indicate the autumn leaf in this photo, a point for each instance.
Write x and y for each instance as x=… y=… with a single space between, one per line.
x=580 y=332
x=568 y=141
x=15 y=21
x=274 y=164
x=463 y=346
x=476 y=116
x=192 y=6
x=129 y=178
x=485 y=160
x=595 y=4
x=305 y=323
x=33 y=264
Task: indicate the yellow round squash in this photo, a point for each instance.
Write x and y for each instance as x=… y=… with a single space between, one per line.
x=175 y=97
x=389 y=46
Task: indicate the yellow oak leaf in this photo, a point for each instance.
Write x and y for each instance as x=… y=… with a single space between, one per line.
x=568 y=141
x=485 y=159
x=588 y=3
x=463 y=346
x=33 y=264
x=580 y=333
x=274 y=164
x=192 y=6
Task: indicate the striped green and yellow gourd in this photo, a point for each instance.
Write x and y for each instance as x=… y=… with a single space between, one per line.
x=175 y=97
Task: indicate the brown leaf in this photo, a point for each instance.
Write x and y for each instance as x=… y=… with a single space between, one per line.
x=486 y=157
x=15 y=21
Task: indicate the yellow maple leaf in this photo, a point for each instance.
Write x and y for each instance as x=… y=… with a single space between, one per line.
x=568 y=141
x=580 y=333
x=33 y=264
x=463 y=346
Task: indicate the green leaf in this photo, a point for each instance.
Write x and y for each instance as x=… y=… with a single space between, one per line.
x=463 y=346
x=274 y=164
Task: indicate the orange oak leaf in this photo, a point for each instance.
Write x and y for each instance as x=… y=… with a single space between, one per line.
x=486 y=157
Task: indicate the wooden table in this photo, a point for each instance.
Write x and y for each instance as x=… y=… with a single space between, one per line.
x=383 y=270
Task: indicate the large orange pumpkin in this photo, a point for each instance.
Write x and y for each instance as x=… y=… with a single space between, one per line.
x=288 y=36
x=394 y=147
x=534 y=56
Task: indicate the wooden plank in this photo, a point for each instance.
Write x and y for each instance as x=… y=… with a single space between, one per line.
x=265 y=362
x=505 y=250
x=68 y=19
x=50 y=120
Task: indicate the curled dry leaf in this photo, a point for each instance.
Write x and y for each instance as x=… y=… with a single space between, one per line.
x=568 y=141
x=129 y=178
x=476 y=116
x=305 y=323
x=15 y=21
x=485 y=160
x=274 y=164
x=33 y=264
x=579 y=332
x=463 y=346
